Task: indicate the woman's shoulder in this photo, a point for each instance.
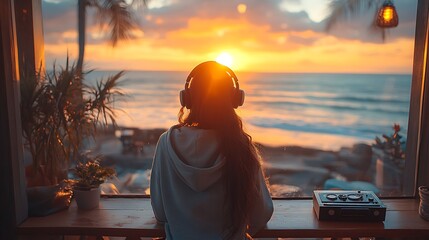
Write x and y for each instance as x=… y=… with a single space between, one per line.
x=164 y=137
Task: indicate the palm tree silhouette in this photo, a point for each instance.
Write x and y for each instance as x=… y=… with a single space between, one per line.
x=343 y=9
x=116 y=15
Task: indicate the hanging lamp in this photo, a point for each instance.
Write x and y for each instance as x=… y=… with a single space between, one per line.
x=387 y=16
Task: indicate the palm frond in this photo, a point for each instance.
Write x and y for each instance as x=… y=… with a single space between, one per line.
x=105 y=93
x=118 y=17
x=344 y=9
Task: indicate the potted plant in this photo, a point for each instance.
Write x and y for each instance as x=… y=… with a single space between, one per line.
x=390 y=160
x=89 y=174
x=59 y=113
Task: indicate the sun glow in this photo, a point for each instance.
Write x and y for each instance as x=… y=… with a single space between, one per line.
x=241 y=8
x=225 y=59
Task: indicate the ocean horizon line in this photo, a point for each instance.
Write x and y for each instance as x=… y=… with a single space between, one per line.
x=249 y=72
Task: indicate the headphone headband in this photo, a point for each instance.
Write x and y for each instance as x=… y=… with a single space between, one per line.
x=185 y=96
x=200 y=67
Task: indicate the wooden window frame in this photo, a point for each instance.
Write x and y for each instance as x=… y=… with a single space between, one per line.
x=416 y=171
x=12 y=183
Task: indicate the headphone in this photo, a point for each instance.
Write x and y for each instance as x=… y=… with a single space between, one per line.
x=237 y=95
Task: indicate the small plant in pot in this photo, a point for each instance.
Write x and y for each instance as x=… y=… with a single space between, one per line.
x=89 y=174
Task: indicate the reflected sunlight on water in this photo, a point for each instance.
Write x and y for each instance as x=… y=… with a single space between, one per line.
x=316 y=110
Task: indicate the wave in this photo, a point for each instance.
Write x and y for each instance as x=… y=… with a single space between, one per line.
x=368 y=99
x=363 y=131
x=335 y=106
x=324 y=96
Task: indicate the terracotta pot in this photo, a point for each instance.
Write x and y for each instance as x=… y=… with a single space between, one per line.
x=87 y=199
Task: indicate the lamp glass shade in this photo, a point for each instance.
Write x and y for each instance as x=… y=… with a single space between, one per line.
x=387 y=16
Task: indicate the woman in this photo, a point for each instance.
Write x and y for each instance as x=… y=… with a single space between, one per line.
x=206 y=180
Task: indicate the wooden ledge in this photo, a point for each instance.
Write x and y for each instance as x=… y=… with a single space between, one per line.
x=291 y=218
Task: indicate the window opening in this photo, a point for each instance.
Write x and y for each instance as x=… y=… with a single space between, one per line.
x=319 y=91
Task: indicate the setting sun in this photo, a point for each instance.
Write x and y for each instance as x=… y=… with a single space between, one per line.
x=225 y=59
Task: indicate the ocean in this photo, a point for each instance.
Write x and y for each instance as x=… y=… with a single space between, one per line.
x=324 y=111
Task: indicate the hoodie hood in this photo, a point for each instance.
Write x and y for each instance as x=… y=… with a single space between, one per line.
x=195 y=156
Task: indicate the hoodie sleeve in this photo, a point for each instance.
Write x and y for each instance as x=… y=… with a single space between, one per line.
x=263 y=208
x=155 y=182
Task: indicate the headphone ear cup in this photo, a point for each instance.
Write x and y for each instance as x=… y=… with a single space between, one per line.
x=182 y=98
x=238 y=98
x=241 y=96
x=185 y=99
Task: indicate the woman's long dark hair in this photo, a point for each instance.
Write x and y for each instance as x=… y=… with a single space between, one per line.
x=211 y=92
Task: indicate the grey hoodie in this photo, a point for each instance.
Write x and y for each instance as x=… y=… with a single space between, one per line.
x=187 y=193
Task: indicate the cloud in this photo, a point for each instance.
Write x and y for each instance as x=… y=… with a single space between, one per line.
x=171 y=30
x=316 y=10
x=57 y=18
x=165 y=16
x=56 y=9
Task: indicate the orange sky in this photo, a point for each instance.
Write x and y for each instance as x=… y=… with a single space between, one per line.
x=276 y=44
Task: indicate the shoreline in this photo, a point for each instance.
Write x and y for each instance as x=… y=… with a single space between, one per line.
x=274 y=137
x=292 y=171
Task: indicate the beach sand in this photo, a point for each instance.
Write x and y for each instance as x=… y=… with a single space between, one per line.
x=292 y=171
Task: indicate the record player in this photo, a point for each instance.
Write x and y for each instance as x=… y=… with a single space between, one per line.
x=348 y=206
